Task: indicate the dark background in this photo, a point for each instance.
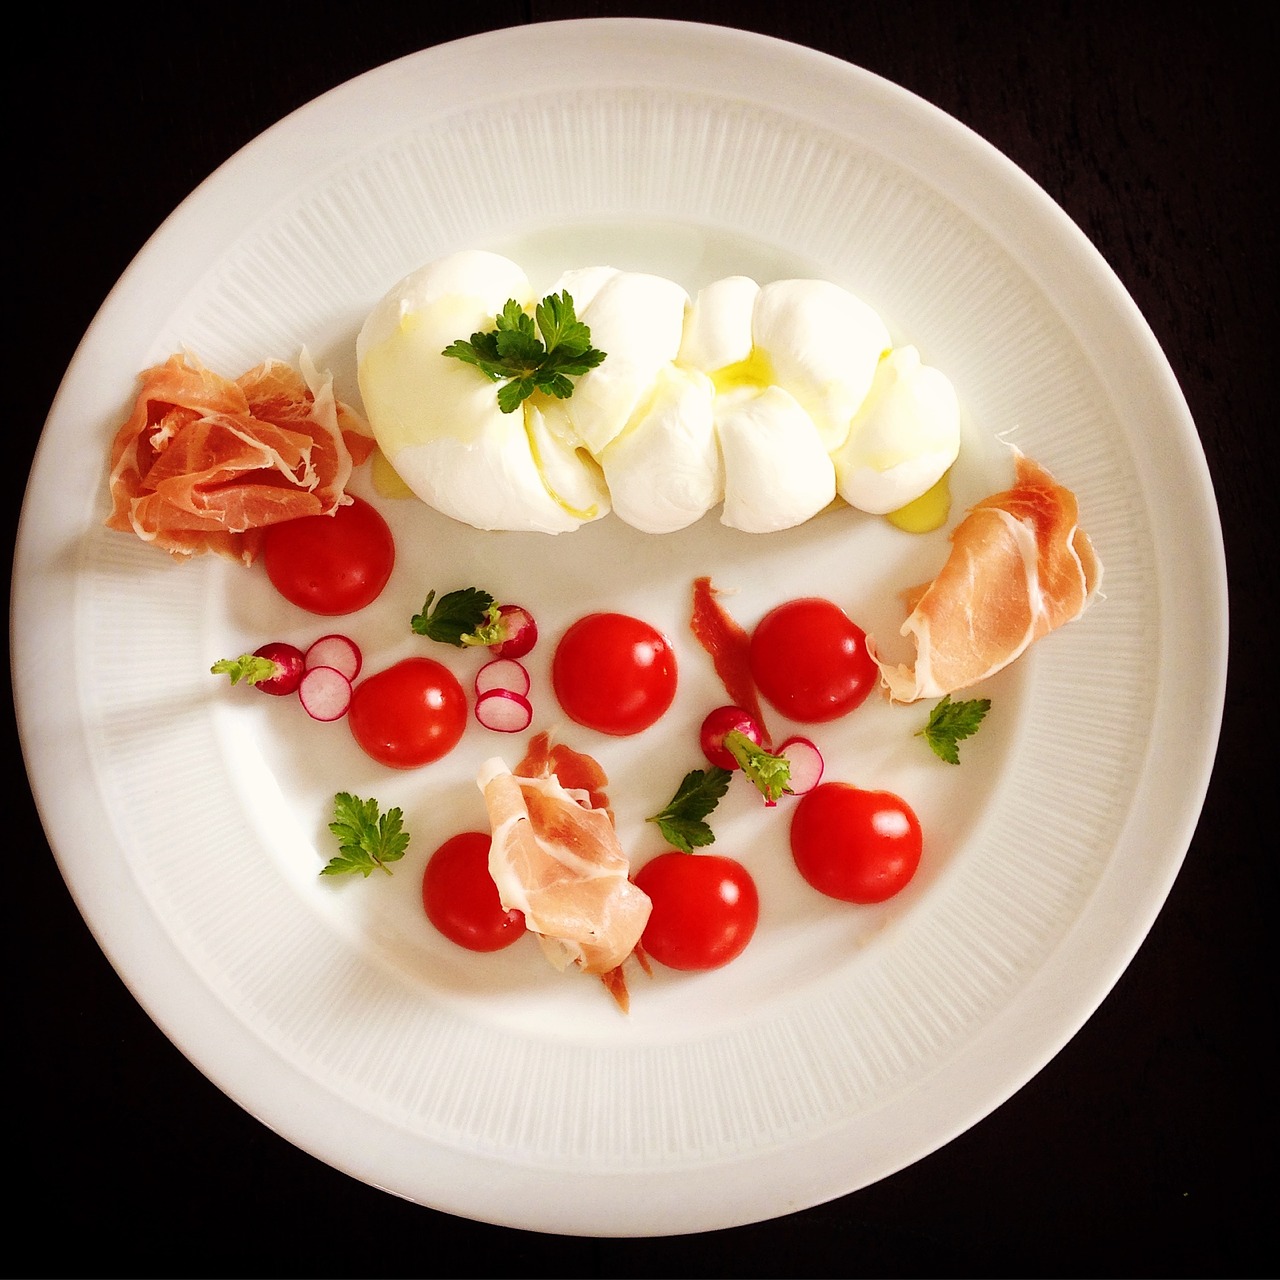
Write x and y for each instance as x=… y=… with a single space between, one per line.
x=1147 y=1147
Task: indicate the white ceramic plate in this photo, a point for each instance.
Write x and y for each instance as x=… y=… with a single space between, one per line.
x=190 y=819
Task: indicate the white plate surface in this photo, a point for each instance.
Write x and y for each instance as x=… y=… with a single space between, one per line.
x=846 y=1042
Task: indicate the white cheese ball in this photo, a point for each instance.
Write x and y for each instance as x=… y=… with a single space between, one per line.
x=903 y=438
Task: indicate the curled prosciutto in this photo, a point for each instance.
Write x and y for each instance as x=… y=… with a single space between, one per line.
x=1019 y=567
x=556 y=857
x=204 y=463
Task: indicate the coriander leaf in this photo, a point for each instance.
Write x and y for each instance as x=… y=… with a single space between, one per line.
x=511 y=352
x=771 y=774
x=681 y=822
x=247 y=667
x=457 y=617
x=367 y=840
x=950 y=723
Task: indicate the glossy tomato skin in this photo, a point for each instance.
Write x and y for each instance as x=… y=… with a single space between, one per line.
x=705 y=909
x=811 y=661
x=461 y=899
x=855 y=845
x=408 y=714
x=614 y=673
x=331 y=564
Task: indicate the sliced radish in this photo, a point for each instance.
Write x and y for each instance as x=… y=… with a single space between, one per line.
x=522 y=632
x=325 y=693
x=806 y=764
x=339 y=652
x=504 y=710
x=502 y=673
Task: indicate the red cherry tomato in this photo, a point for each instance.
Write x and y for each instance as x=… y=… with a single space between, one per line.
x=461 y=899
x=614 y=673
x=705 y=909
x=409 y=714
x=331 y=564
x=810 y=661
x=855 y=845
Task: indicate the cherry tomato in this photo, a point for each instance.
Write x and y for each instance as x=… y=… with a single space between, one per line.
x=614 y=673
x=461 y=899
x=409 y=714
x=810 y=661
x=855 y=845
x=705 y=909
x=719 y=723
x=330 y=564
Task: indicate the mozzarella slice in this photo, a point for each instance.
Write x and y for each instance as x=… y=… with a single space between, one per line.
x=637 y=320
x=903 y=438
x=663 y=471
x=717 y=328
x=777 y=472
x=822 y=345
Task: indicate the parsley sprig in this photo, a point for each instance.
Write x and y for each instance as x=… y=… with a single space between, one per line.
x=469 y=616
x=512 y=353
x=682 y=821
x=950 y=723
x=367 y=838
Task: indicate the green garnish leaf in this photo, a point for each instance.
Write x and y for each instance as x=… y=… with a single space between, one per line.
x=771 y=774
x=681 y=822
x=367 y=839
x=950 y=723
x=466 y=617
x=247 y=667
x=513 y=354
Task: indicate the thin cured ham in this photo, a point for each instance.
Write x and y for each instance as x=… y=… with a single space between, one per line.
x=1019 y=567
x=204 y=463
x=556 y=857
x=729 y=647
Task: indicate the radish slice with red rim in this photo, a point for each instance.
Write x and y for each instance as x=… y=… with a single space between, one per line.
x=806 y=764
x=502 y=673
x=504 y=710
x=339 y=652
x=325 y=693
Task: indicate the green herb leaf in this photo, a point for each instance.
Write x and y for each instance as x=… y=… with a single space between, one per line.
x=512 y=353
x=247 y=667
x=950 y=723
x=459 y=618
x=771 y=774
x=681 y=822
x=367 y=839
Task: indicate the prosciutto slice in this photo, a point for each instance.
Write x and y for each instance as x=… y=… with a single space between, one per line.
x=204 y=463
x=556 y=857
x=1019 y=567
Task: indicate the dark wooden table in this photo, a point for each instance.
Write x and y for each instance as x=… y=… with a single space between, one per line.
x=1147 y=1146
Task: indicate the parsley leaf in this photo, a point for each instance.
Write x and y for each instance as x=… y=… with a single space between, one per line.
x=460 y=618
x=512 y=353
x=681 y=822
x=771 y=774
x=247 y=667
x=367 y=839
x=950 y=723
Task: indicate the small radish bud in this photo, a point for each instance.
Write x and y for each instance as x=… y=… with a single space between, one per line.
x=520 y=629
x=502 y=673
x=723 y=721
x=325 y=693
x=275 y=668
x=339 y=652
x=503 y=710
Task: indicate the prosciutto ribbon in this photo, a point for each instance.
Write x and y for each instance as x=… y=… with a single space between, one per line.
x=204 y=463
x=556 y=857
x=1019 y=567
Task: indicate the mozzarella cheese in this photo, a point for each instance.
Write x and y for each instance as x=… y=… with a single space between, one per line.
x=766 y=401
